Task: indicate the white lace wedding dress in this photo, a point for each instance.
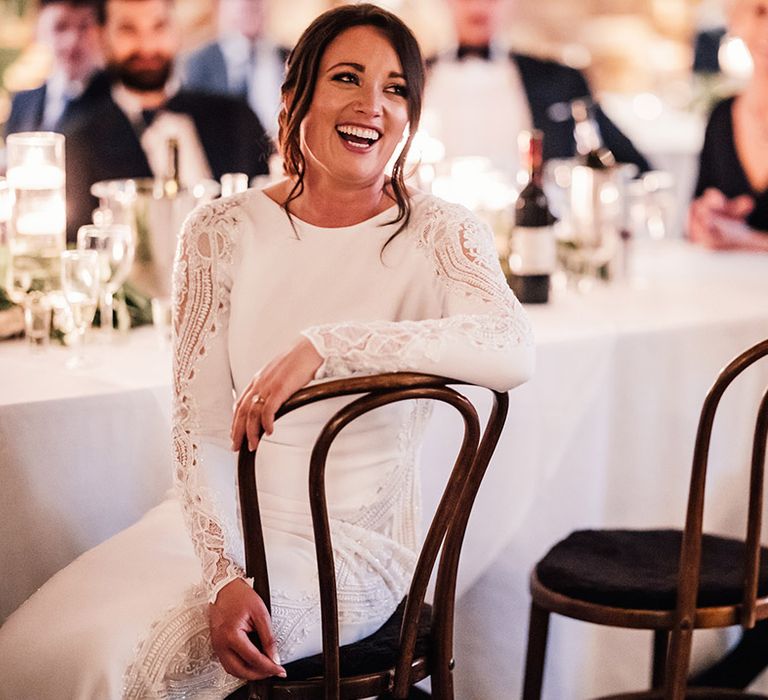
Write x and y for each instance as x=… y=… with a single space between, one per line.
x=128 y=618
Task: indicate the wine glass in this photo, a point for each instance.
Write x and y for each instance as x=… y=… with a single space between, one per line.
x=115 y=248
x=80 y=282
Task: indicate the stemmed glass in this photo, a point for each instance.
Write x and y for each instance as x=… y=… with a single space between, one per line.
x=114 y=246
x=80 y=277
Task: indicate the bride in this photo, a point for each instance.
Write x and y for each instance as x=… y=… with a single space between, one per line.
x=336 y=270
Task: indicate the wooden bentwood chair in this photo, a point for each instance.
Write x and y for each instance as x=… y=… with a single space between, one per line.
x=664 y=580
x=417 y=640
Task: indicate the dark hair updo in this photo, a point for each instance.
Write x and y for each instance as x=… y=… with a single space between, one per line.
x=302 y=70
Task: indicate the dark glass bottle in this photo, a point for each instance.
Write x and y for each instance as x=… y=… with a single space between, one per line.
x=172 y=181
x=533 y=252
x=591 y=150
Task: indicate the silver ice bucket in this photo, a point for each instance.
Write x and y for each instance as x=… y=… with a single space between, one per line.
x=155 y=217
x=591 y=205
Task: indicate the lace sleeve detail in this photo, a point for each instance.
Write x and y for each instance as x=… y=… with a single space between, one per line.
x=483 y=336
x=204 y=471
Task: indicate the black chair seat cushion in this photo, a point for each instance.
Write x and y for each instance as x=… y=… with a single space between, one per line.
x=637 y=569
x=377 y=652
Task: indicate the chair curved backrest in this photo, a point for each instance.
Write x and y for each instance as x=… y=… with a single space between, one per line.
x=690 y=553
x=445 y=533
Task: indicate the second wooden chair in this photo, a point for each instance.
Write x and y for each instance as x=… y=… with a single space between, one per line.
x=669 y=581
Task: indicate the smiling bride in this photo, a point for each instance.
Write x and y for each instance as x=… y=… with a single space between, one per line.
x=338 y=269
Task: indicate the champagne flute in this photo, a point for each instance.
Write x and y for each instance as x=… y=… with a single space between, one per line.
x=80 y=277
x=115 y=248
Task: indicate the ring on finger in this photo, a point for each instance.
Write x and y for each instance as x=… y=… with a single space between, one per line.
x=258 y=399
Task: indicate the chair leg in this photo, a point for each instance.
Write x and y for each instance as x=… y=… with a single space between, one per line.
x=538 y=629
x=660 y=644
x=678 y=659
x=442 y=681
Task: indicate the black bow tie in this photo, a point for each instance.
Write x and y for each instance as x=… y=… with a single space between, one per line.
x=481 y=52
x=148 y=116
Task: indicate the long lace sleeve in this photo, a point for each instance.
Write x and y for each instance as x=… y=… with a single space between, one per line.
x=483 y=336
x=204 y=473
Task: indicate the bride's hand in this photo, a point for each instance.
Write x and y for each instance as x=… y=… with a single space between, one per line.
x=237 y=611
x=269 y=389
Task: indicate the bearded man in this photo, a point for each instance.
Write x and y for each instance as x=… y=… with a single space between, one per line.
x=127 y=133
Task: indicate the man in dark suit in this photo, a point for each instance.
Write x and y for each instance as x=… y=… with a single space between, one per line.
x=68 y=28
x=479 y=96
x=242 y=62
x=127 y=135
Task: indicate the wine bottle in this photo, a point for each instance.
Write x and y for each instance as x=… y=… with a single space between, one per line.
x=172 y=182
x=533 y=252
x=589 y=143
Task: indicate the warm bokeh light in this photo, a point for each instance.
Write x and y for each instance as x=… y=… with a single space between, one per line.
x=734 y=58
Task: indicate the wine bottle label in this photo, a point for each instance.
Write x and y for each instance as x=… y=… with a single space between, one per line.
x=534 y=251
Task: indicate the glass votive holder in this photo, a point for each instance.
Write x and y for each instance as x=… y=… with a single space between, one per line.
x=35 y=162
x=37 y=320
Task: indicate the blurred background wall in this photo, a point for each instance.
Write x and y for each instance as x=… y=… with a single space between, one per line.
x=624 y=45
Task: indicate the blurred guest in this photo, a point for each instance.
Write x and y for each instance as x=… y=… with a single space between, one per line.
x=730 y=209
x=480 y=95
x=128 y=134
x=242 y=62
x=68 y=29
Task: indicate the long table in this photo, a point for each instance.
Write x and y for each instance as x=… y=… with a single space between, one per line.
x=601 y=436
x=83 y=453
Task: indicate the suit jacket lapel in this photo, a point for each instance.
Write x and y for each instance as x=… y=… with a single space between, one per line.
x=39 y=106
x=122 y=143
x=530 y=76
x=546 y=90
x=33 y=111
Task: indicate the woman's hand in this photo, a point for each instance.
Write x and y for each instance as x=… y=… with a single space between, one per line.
x=255 y=409
x=237 y=611
x=717 y=222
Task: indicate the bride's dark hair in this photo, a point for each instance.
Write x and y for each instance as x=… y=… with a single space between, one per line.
x=301 y=77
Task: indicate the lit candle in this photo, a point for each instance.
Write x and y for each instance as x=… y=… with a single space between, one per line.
x=45 y=222
x=36 y=177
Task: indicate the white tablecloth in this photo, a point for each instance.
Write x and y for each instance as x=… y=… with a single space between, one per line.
x=83 y=454
x=602 y=436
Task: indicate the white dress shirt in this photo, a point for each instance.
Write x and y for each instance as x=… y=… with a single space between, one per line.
x=477 y=107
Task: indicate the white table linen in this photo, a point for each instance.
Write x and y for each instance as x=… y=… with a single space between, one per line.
x=83 y=454
x=602 y=436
